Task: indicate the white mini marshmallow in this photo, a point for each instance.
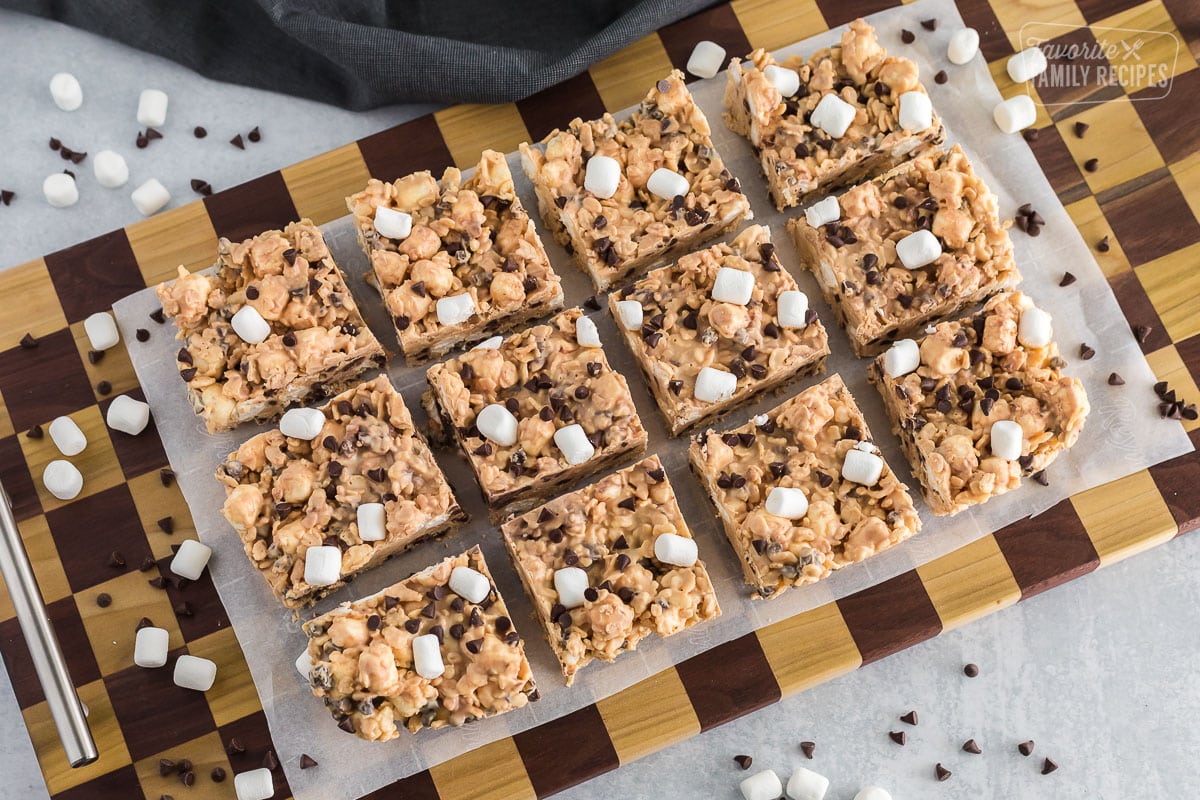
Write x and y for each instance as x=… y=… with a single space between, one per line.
x=150 y=197
x=714 y=385
x=304 y=664
x=193 y=672
x=901 y=358
x=964 y=44
x=862 y=467
x=427 y=656
x=793 y=309
x=570 y=583
x=302 y=423
x=823 y=212
x=150 y=646
x=671 y=548
x=469 y=584
x=786 y=502
x=372 y=522
x=101 y=330
x=1007 y=439
x=152 y=108
x=918 y=249
x=916 y=112
x=191 y=559
x=867 y=447
x=498 y=424
x=249 y=325
x=492 y=343
x=807 y=785
x=763 y=786
x=128 y=415
x=833 y=115
x=322 y=565
x=392 y=223
x=586 y=332
x=1035 y=329
x=733 y=286
x=667 y=184
x=573 y=442
x=706 y=60
x=629 y=314
x=1014 y=114
x=455 y=310
x=110 y=169
x=1027 y=64
x=66 y=91
x=67 y=436
x=602 y=176
x=257 y=784
x=60 y=190
x=873 y=793
x=787 y=81
x=62 y=479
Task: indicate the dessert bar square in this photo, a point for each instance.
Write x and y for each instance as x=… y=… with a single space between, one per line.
x=435 y=650
x=285 y=495
x=946 y=393
x=830 y=121
x=301 y=335
x=728 y=315
x=590 y=564
x=917 y=245
x=802 y=491
x=664 y=189
x=456 y=261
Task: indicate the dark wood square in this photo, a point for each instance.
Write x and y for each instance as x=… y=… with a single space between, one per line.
x=1177 y=480
x=44 y=382
x=414 y=787
x=88 y=530
x=93 y=275
x=137 y=454
x=839 y=12
x=153 y=712
x=252 y=732
x=72 y=637
x=248 y=209
x=17 y=482
x=403 y=149
x=1096 y=10
x=554 y=107
x=1082 y=44
x=1138 y=310
x=208 y=615
x=728 y=681
x=120 y=784
x=890 y=616
x=1047 y=550
x=717 y=24
x=993 y=41
x=1151 y=220
x=1173 y=124
x=552 y=767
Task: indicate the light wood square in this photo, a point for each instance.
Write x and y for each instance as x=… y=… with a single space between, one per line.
x=969 y=583
x=1125 y=517
x=112 y=630
x=1172 y=283
x=649 y=716
x=1117 y=138
x=625 y=77
x=319 y=185
x=98 y=462
x=180 y=236
x=771 y=25
x=470 y=129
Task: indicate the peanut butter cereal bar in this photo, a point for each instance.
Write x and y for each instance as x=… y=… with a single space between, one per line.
x=536 y=414
x=619 y=229
x=877 y=288
x=802 y=491
x=964 y=378
x=375 y=671
x=307 y=337
x=469 y=265
x=608 y=532
x=800 y=158
x=690 y=326
x=285 y=495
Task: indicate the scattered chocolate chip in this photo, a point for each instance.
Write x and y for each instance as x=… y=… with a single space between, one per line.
x=1048 y=766
x=1092 y=164
x=929 y=24
x=1030 y=134
x=104 y=599
x=1025 y=748
x=6 y=196
x=941 y=772
x=28 y=341
x=165 y=767
x=897 y=737
x=142 y=335
x=254 y=135
x=970 y=746
x=141 y=141
x=808 y=748
x=743 y=761
x=167 y=476
x=103 y=388
x=909 y=718
x=941 y=76
x=1067 y=279
x=908 y=37
x=971 y=671
x=199 y=132
x=1103 y=246
x=147 y=564
x=270 y=761
x=307 y=761
x=217 y=774
x=115 y=559
x=1115 y=380
x=235 y=747
x=1080 y=129
x=1142 y=333
x=183 y=608
x=201 y=187
x=188 y=778
x=235 y=141
x=153 y=134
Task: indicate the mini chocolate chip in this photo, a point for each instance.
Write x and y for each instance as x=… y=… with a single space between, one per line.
x=103 y=388
x=908 y=37
x=941 y=76
x=743 y=761
x=307 y=761
x=1067 y=279
x=145 y=622
x=104 y=599
x=1030 y=134
x=941 y=772
x=187 y=374
x=929 y=24
x=897 y=737
x=825 y=480
x=235 y=141
x=626 y=594
x=1142 y=333
x=147 y=564
x=1014 y=384
x=582 y=392
x=254 y=135
x=808 y=748
x=1115 y=380
x=347 y=725
x=909 y=718
x=235 y=747
x=95 y=356
x=1041 y=477
x=1085 y=352
x=183 y=608
x=629 y=503
x=166 y=476
x=591 y=595
x=269 y=760
x=1048 y=766
x=622 y=561
x=513 y=405
x=142 y=335
x=656 y=475
x=1025 y=748
x=970 y=746
x=412 y=625
x=1080 y=129
x=115 y=559
x=1092 y=164
x=165 y=767
x=675 y=386
x=1103 y=246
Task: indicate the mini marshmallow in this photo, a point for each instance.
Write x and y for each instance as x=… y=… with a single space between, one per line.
x=671 y=548
x=372 y=522
x=150 y=647
x=786 y=502
x=257 y=784
x=60 y=190
x=873 y=793
x=455 y=310
x=128 y=415
x=763 y=786
x=667 y=184
x=1014 y=114
x=901 y=358
x=574 y=444
x=733 y=286
x=714 y=385
x=322 y=565
x=862 y=467
x=101 y=330
x=150 y=197
x=191 y=559
x=602 y=176
x=67 y=436
x=629 y=314
x=807 y=785
x=62 y=479
x=586 y=333
x=867 y=447
x=304 y=664
x=964 y=44
x=469 y=584
x=302 y=423
x=793 y=309
x=110 y=169
x=1034 y=330
x=570 y=583
x=918 y=249
x=823 y=212
x=1007 y=439
x=833 y=115
x=392 y=223
x=249 y=325
x=1027 y=64
x=787 y=81
x=916 y=112
x=427 y=656
x=491 y=343
x=66 y=91
x=152 y=108
x=193 y=672
x=498 y=424
x=706 y=60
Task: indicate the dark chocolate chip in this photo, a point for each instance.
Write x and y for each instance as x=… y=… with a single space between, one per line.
x=1086 y=353
x=897 y=737
x=235 y=747
x=1115 y=380
x=941 y=772
x=115 y=559
x=1080 y=129
x=142 y=335
x=743 y=761
x=270 y=761
x=1092 y=164
x=1067 y=279
x=255 y=135
x=907 y=36
x=165 y=767
x=1048 y=766
x=929 y=24
x=1142 y=333
x=909 y=718
x=104 y=599
x=103 y=388
x=808 y=748
x=1103 y=246
x=941 y=77
x=971 y=670
x=970 y=746
x=217 y=775
x=307 y=761
x=95 y=356
x=235 y=141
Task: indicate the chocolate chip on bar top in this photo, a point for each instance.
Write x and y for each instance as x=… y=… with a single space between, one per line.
x=731 y=308
x=455 y=260
x=307 y=336
x=802 y=491
x=420 y=655
x=599 y=566
x=314 y=512
x=624 y=196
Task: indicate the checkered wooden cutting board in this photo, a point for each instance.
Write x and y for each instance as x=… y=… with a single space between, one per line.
x=1145 y=195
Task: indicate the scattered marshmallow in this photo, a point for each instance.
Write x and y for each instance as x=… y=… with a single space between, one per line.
x=833 y=115
x=193 y=672
x=469 y=584
x=322 y=565
x=110 y=169
x=249 y=325
x=901 y=358
x=302 y=423
x=715 y=385
x=62 y=479
x=498 y=424
x=733 y=286
x=191 y=559
x=101 y=330
x=1007 y=439
x=67 y=436
x=786 y=502
x=586 y=332
x=602 y=176
x=60 y=190
x=1027 y=64
x=823 y=212
x=427 y=656
x=706 y=60
x=916 y=112
x=671 y=548
x=150 y=197
x=66 y=91
x=787 y=81
x=574 y=444
x=793 y=309
x=763 y=786
x=667 y=184
x=128 y=415
x=372 y=522
x=964 y=44
x=807 y=785
x=1014 y=114
x=152 y=108
x=491 y=343
x=150 y=646
x=629 y=314
x=304 y=664
x=257 y=784
x=392 y=223
x=873 y=793
x=862 y=467
x=1034 y=329
x=918 y=249
x=570 y=583
x=455 y=310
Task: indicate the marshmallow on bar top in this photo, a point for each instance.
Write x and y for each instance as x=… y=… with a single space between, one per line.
x=833 y=115
x=250 y=326
x=257 y=784
x=1007 y=438
x=671 y=548
x=918 y=249
x=372 y=522
x=497 y=424
x=706 y=60
x=901 y=358
x=1014 y=114
x=469 y=584
x=763 y=786
x=787 y=81
x=964 y=44
x=572 y=440
x=66 y=91
x=586 y=333
x=110 y=169
x=302 y=423
x=873 y=793
x=392 y=223
x=570 y=583
x=192 y=672
x=191 y=559
x=862 y=466
x=823 y=212
x=629 y=314
x=150 y=646
x=714 y=385
x=733 y=286
x=427 y=656
x=62 y=479
x=793 y=309
x=602 y=176
x=322 y=565
x=67 y=436
x=492 y=343
x=1027 y=64
x=152 y=108
x=1034 y=329
x=101 y=330
x=807 y=785
x=455 y=310
x=916 y=112
x=150 y=197
x=60 y=190
x=787 y=502
x=128 y=415
x=667 y=184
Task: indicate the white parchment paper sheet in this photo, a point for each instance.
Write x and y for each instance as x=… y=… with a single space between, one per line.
x=1122 y=435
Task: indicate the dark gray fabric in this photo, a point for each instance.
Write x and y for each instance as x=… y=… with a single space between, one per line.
x=365 y=53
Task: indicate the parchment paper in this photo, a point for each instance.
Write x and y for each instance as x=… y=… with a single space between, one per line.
x=1123 y=434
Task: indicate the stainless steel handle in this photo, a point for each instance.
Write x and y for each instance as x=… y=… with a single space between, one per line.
x=48 y=662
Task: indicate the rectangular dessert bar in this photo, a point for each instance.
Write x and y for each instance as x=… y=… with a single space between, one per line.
x=470 y=264
x=560 y=412
x=609 y=530
x=362 y=654
x=945 y=393
x=313 y=338
x=802 y=160
x=615 y=236
x=801 y=490
x=856 y=258
x=683 y=333
x=284 y=495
